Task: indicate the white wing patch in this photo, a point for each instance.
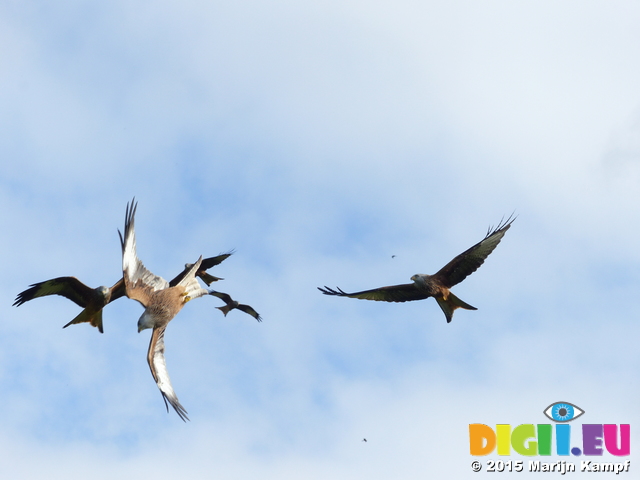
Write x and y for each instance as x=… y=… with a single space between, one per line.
x=161 y=375
x=132 y=268
x=190 y=282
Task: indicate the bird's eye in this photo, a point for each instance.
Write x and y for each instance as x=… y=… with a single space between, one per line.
x=563 y=412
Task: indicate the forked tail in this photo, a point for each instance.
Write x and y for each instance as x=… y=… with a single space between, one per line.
x=449 y=305
x=85 y=315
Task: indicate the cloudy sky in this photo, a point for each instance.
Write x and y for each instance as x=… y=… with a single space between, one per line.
x=319 y=140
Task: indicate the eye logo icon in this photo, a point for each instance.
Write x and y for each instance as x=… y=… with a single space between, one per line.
x=563 y=412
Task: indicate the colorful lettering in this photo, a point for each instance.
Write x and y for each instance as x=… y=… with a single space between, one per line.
x=521 y=434
x=482 y=439
x=544 y=439
x=592 y=439
x=611 y=439
x=529 y=440
x=563 y=437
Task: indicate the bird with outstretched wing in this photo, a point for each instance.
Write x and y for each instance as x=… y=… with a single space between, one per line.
x=161 y=301
x=233 y=304
x=93 y=300
x=438 y=284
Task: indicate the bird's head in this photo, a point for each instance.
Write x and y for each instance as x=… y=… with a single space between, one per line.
x=418 y=279
x=105 y=293
x=145 y=321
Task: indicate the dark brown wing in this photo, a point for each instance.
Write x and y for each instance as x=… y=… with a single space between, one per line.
x=118 y=290
x=394 y=293
x=176 y=280
x=69 y=287
x=225 y=297
x=470 y=260
x=248 y=309
x=206 y=264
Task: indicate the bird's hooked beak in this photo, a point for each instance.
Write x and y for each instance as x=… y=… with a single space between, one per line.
x=145 y=322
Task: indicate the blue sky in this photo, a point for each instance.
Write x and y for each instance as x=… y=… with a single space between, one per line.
x=317 y=140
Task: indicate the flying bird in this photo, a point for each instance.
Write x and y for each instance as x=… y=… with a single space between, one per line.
x=206 y=264
x=231 y=304
x=437 y=285
x=93 y=300
x=162 y=302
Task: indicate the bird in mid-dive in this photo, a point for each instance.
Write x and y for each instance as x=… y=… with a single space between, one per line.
x=437 y=285
x=93 y=300
x=231 y=304
x=161 y=301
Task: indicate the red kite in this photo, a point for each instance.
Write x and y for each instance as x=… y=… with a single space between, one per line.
x=161 y=302
x=93 y=300
x=231 y=304
x=437 y=285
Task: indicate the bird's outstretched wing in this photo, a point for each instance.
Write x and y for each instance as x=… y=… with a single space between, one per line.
x=69 y=287
x=118 y=290
x=248 y=309
x=158 y=367
x=206 y=264
x=139 y=281
x=190 y=282
x=93 y=300
x=470 y=260
x=394 y=293
x=225 y=297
